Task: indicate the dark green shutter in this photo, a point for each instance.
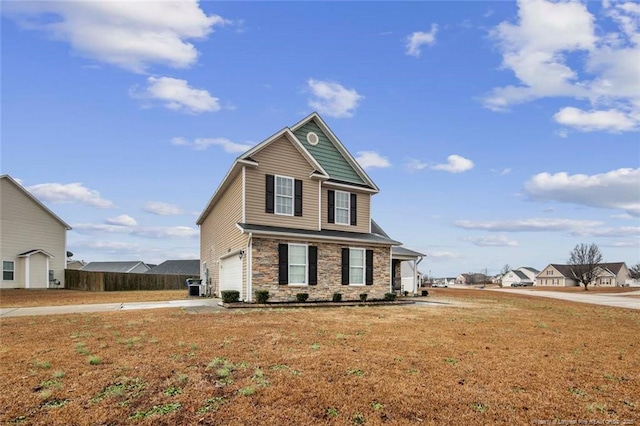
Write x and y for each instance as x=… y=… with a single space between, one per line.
x=313 y=265
x=345 y=266
x=369 y=268
x=270 y=194
x=331 y=205
x=297 y=201
x=353 y=212
x=283 y=264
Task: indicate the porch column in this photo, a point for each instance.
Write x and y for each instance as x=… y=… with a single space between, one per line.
x=26 y=272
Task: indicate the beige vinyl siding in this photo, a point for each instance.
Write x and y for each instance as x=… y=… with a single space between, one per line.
x=219 y=234
x=281 y=158
x=24 y=226
x=363 y=206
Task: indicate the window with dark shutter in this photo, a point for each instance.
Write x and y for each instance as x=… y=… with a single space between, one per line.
x=269 y=194
x=298 y=198
x=331 y=205
x=313 y=265
x=283 y=263
x=369 y=268
x=345 y=266
x=354 y=214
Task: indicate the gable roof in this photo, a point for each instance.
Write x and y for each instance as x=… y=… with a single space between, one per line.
x=34 y=199
x=334 y=157
x=177 y=267
x=613 y=267
x=520 y=274
x=35 y=251
x=528 y=268
x=112 y=266
x=566 y=271
x=339 y=163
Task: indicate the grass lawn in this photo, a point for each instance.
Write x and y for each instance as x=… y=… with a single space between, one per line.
x=501 y=359
x=25 y=298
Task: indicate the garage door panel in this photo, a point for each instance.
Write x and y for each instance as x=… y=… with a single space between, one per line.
x=231 y=274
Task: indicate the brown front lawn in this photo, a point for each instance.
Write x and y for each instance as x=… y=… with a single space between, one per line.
x=24 y=298
x=502 y=359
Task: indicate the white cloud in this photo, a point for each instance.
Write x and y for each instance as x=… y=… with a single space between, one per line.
x=541 y=49
x=122 y=220
x=441 y=255
x=110 y=246
x=157 y=232
x=416 y=165
x=623 y=231
x=455 y=164
x=69 y=193
x=623 y=244
x=163 y=209
x=333 y=99
x=129 y=34
x=562 y=133
x=201 y=144
x=370 y=159
x=622 y=216
x=177 y=95
x=589 y=121
x=527 y=225
x=492 y=241
x=420 y=38
x=617 y=189
x=502 y=172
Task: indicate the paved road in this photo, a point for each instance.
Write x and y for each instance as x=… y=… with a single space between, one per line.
x=192 y=305
x=618 y=300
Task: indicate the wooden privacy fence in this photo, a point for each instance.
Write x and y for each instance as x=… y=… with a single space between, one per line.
x=120 y=281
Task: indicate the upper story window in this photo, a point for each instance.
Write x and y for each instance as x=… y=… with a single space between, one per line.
x=342 y=208
x=283 y=195
x=8 y=270
x=549 y=272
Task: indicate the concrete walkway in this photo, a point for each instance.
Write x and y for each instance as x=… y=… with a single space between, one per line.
x=618 y=300
x=192 y=305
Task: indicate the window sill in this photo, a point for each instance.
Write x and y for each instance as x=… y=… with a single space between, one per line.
x=298 y=285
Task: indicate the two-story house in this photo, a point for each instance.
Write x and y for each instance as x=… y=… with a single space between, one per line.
x=293 y=215
x=33 y=240
x=523 y=276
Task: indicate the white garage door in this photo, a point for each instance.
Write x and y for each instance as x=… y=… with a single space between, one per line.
x=231 y=274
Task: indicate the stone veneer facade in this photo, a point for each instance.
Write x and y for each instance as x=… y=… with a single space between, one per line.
x=264 y=262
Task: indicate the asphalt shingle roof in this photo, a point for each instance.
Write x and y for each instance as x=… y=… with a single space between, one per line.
x=177 y=267
x=324 y=234
x=110 y=266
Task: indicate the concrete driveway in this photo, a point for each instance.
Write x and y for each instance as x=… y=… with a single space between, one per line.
x=192 y=306
x=618 y=300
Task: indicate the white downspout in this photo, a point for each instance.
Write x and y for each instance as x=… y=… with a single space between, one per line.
x=249 y=268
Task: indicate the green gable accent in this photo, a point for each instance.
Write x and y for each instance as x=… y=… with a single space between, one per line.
x=328 y=155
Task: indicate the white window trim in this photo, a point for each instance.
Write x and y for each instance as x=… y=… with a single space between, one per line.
x=306 y=265
x=364 y=266
x=275 y=195
x=13 y=270
x=348 y=208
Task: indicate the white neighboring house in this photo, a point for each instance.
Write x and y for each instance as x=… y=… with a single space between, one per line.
x=523 y=276
x=33 y=240
x=409 y=260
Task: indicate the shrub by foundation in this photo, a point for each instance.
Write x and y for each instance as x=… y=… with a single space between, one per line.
x=363 y=297
x=302 y=297
x=337 y=297
x=262 y=296
x=230 y=296
x=390 y=297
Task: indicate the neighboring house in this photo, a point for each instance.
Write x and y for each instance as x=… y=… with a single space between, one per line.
x=291 y=216
x=607 y=274
x=177 y=267
x=33 y=240
x=133 y=267
x=75 y=264
x=472 y=278
x=522 y=276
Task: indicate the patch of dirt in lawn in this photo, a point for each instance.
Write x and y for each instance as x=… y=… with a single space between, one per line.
x=511 y=359
x=25 y=298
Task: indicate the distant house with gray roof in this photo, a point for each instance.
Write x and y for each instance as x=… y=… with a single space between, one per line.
x=177 y=267
x=523 y=276
x=131 y=267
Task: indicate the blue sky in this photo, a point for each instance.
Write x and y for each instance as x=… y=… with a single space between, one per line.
x=498 y=132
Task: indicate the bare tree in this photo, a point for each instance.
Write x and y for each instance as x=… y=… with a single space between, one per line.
x=583 y=261
x=634 y=272
x=506 y=268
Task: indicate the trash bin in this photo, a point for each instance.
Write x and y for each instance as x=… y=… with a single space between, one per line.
x=194 y=286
